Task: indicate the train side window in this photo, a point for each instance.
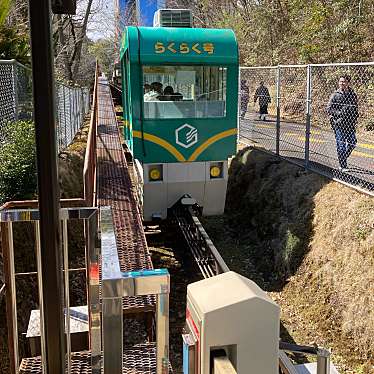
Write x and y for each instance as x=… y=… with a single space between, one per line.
x=184 y=91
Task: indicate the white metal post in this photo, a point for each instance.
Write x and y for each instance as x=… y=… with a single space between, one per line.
x=308 y=113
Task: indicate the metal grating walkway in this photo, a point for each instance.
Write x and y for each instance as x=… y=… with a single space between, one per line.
x=115 y=190
x=140 y=359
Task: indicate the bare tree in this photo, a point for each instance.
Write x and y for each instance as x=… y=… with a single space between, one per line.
x=70 y=35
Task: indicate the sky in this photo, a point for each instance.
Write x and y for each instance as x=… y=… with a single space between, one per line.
x=101 y=23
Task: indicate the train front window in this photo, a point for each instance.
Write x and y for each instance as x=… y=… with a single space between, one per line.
x=184 y=91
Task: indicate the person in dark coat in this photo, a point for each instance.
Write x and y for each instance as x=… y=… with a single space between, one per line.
x=263 y=96
x=168 y=94
x=343 y=111
x=244 y=98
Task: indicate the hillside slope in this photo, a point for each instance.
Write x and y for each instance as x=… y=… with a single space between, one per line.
x=310 y=243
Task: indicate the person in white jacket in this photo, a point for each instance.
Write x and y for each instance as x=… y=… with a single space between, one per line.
x=155 y=92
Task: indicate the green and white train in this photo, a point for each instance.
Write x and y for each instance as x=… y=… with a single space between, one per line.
x=180 y=92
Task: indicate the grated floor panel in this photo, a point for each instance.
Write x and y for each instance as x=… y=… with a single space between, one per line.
x=139 y=359
x=115 y=190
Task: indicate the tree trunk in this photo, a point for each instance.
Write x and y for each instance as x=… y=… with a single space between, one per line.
x=78 y=47
x=63 y=50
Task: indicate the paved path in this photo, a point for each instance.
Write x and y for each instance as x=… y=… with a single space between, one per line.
x=323 y=156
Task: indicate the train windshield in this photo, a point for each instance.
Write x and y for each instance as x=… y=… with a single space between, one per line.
x=184 y=91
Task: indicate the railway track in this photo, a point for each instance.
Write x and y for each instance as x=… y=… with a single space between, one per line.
x=184 y=216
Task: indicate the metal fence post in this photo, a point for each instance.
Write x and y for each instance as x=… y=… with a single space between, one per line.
x=308 y=113
x=10 y=294
x=40 y=289
x=82 y=106
x=70 y=116
x=15 y=90
x=57 y=118
x=63 y=93
x=323 y=361
x=278 y=112
x=76 y=111
x=93 y=291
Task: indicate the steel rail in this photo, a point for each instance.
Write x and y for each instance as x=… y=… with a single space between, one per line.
x=202 y=248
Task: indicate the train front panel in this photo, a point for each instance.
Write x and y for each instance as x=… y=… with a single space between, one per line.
x=182 y=84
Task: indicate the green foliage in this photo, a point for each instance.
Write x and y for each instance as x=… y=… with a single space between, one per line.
x=293 y=31
x=14 y=44
x=103 y=50
x=17 y=162
x=4 y=10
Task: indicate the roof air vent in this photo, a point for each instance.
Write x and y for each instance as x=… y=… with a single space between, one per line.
x=173 y=18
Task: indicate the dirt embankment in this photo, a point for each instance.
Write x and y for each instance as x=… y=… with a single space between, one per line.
x=310 y=243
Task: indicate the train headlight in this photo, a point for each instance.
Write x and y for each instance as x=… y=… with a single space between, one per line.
x=155 y=173
x=216 y=170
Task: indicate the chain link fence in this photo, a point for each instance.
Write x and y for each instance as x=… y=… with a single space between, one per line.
x=15 y=92
x=72 y=103
x=318 y=116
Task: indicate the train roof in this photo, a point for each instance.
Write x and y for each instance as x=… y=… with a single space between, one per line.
x=161 y=45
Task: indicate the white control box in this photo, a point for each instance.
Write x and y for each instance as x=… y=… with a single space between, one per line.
x=231 y=312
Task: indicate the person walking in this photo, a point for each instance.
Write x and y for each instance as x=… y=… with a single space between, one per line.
x=263 y=96
x=244 y=98
x=343 y=111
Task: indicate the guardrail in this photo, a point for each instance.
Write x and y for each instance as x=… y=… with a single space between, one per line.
x=115 y=286
x=89 y=168
x=7 y=219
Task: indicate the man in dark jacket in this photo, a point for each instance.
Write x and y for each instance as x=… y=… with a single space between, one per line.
x=263 y=96
x=343 y=112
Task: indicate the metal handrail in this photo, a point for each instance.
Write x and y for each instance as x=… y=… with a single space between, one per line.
x=33 y=204
x=323 y=355
x=115 y=286
x=89 y=168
